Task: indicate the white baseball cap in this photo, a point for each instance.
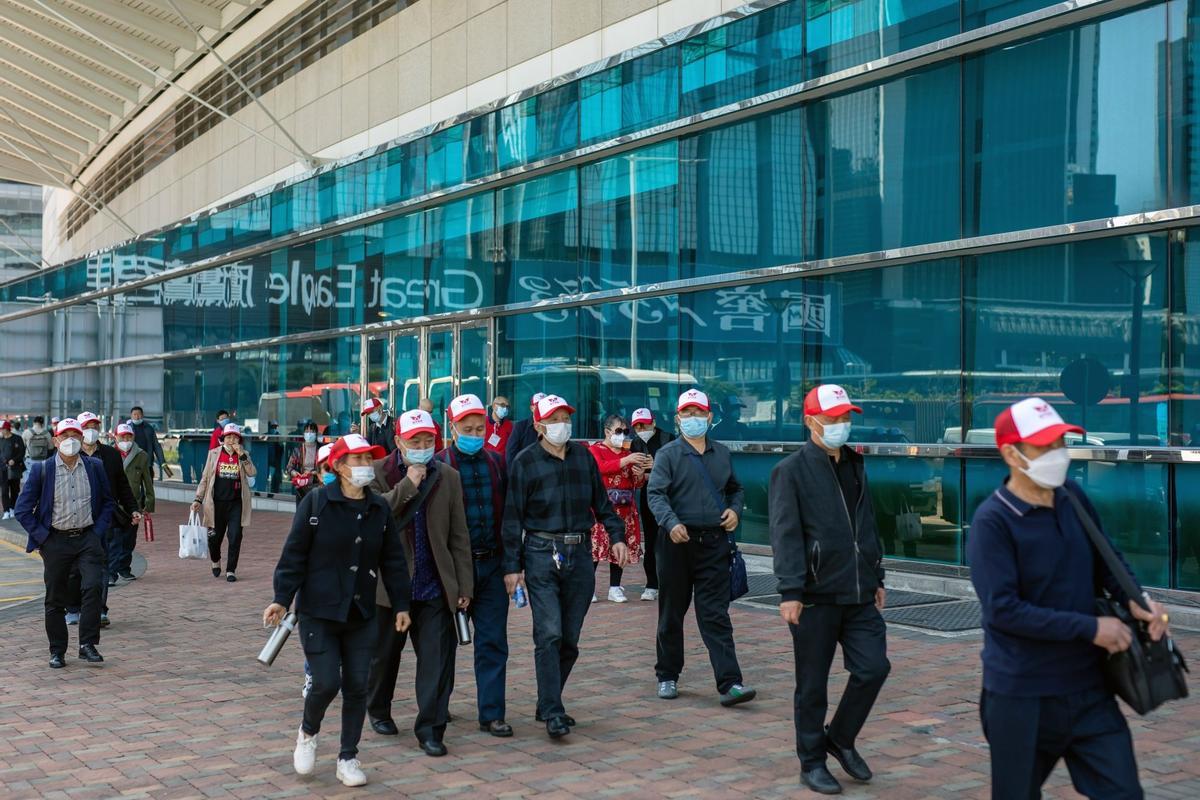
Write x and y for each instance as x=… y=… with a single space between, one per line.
x=1032 y=420
x=124 y=428
x=371 y=405
x=829 y=399
x=413 y=422
x=693 y=398
x=464 y=406
x=87 y=418
x=548 y=405
x=537 y=398
x=642 y=415
x=68 y=424
x=323 y=453
x=231 y=427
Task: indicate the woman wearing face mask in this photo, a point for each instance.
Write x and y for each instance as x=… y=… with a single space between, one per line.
x=342 y=528
x=302 y=465
x=325 y=476
x=623 y=472
x=223 y=498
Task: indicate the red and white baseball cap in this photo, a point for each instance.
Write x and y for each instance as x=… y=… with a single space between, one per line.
x=1032 y=420
x=829 y=399
x=5 y=425
x=413 y=422
x=374 y=404
x=68 y=424
x=124 y=428
x=349 y=445
x=537 y=398
x=693 y=398
x=642 y=415
x=548 y=405
x=464 y=406
x=232 y=427
x=86 y=418
x=323 y=453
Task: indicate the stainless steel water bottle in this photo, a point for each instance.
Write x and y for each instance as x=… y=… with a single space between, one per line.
x=278 y=636
x=464 y=629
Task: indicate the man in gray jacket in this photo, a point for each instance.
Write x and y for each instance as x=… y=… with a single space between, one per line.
x=828 y=560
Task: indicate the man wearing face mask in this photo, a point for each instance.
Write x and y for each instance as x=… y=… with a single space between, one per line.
x=484 y=487
x=126 y=514
x=146 y=438
x=499 y=427
x=12 y=465
x=218 y=433
x=426 y=497
x=1037 y=577
x=555 y=495
x=139 y=472
x=828 y=560
x=65 y=507
x=523 y=432
x=697 y=500
x=378 y=425
x=650 y=439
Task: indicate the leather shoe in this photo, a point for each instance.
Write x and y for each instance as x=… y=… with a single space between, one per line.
x=90 y=654
x=819 y=780
x=497 y=727
x=57 y=661
x=567 y=718
x=433 y=748
x=850 y=760
x=557 y=727
x=384 y=727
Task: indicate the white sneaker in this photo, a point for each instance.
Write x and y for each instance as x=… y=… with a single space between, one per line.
x=307 y=686
x=650 y=594
x=617 y=595
x=594 y=598
x=305 y=757
x=350 y=773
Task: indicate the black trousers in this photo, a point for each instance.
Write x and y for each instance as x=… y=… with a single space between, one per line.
x=697 y=568
x=1028 y=735
x=434 y=641
x=650 y=535
x=10 y=482
x=861 y=632
x=227 y=519
x=61 y=554
x=339 y=657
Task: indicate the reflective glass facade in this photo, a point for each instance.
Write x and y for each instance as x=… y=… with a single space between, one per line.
x=952 y=186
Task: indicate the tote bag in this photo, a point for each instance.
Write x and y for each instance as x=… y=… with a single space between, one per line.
x=193 y=538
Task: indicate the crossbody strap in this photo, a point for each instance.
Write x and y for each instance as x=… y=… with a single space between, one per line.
x=1107 y=554
x=697 y=461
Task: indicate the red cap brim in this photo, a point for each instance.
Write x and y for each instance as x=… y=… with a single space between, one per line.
x=375 y=450
x=569 y=410
x=837 y=411
x=411 y=433
x=693 y=404
x=1051 y=434
x=462 y=415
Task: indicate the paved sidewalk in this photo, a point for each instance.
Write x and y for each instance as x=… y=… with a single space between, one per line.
x=182 y=709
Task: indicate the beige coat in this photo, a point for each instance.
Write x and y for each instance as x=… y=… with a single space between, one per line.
x=204 y=489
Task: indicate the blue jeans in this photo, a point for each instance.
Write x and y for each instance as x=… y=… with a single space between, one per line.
x=559 y=598
x=489 y=612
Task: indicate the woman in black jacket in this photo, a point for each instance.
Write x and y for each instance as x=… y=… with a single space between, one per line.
x=343 y=540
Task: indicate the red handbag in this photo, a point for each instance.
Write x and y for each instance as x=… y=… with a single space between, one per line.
x=147 y=527
x=302 y=481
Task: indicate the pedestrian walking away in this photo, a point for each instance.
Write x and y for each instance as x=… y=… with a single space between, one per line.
x=140 y=474
x=65 y=508
x=555 y=495
x=624 y=473
x=223 y=499
x=649 y=439
x=343 y=547
x=484 y=486
x=426 y=498
x=829 y=563
x=499 y=427
x=1037 y=577
x=378 y=425
x=40 y=445
x=302 y=464
x=12 y=467
x=524 y=431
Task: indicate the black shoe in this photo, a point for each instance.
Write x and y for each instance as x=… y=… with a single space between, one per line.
x=850 y=760
x=90 y=654
x=557 y=727
x=112 y=580
x=819 y=780
x=433 y=748
x=216 y=571
x=567 y=718
x=105 y=621
x=231 y=578
x=384 y=727
x=57 y=661
x=497 y=727
x=128 y=576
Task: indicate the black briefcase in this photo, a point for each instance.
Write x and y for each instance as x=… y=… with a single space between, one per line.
x=1149 y=673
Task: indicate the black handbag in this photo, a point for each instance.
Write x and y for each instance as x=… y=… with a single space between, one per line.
x=739 y=581
x=1149 y=673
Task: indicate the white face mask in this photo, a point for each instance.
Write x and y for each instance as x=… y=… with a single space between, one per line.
x=125 y=446
x=1049 y=470
x=835 y=434
x=39 y=428
x=91 y=436
x=374 y=416
x=558 y=433
x=361 y=476
x=310 y=437
x=69 y=447
x=645 y=436
x=617 y=439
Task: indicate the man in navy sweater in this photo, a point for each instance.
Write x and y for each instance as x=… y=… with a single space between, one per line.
x=1037 y=578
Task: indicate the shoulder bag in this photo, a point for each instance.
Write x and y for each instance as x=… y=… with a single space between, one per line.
x=739 y=582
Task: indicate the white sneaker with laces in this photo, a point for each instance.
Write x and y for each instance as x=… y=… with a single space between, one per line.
x=305 y=757
x=350 y=773
x=617 y=595
x=650 y=594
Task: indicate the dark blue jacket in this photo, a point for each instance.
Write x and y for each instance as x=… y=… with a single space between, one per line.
x=35 y=505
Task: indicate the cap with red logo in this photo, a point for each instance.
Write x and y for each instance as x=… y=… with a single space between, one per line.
x=828 y=399
x=87 y=418
x=413 y=422
x=68 y=424
x=464 y=406
x=232 y=428
x=548 y=405
x=124 y=429
x=693 y=398
x=642 y=416
x=349 y=445
x=1032 y=420
x=374 y=404
x=5 y=425
x=537 y=398
x=323 y=453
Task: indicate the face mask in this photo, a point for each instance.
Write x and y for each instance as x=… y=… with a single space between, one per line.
x=1048 y=470
x=309 y=436
x=228 y=447
x=693 y=427
x=469 y=444
x=361 y=476
x=645 y=436
x=125 y=446
x=415 y=456
x=835 y=434
x=374 y=417
x=136 y=421
x=558 y=433
x=617 y=439
x=222 y=420
x=38 y=428
x=501 y=412
x=328 y=478
x=69 y=447
x=91 y=436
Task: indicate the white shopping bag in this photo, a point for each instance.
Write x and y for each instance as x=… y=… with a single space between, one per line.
x=193 y=538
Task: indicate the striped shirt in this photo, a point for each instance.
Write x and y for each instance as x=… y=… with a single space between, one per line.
x=72 y=495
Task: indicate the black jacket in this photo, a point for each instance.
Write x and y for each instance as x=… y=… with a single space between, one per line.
x=12 y=449
x=382 y=433
x=337 y=560
x=651 y=448
x=118 y=481
x=523 y=434
x=819 y=557
x=147 y=439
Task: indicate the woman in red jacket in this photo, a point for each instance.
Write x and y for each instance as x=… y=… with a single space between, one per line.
x=623 y=473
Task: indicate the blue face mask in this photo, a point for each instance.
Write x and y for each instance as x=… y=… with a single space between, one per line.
x=419 y=456
x=328 y=478
x=468 y=444
x=501 y=412
x=693 y=427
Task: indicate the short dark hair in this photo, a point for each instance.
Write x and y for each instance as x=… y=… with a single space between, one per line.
x=137 y=408
x=311 y=426
x=222 y=411
x=612 y=419
x=40 y=419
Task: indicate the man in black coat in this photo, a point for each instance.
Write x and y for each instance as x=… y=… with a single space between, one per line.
x=147 y=438
x=649 y=438
x=523 y=433
x=12 y=466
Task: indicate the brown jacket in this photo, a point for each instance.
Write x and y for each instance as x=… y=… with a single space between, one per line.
x=204 y=489
x=446 y=521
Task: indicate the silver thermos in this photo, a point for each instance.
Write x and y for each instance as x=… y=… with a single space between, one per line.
x=278 y=636
x=464 y=629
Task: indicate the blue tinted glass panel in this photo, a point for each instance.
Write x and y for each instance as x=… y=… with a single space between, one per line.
x=539 y=247
x=295 y=208
x=978 y=13
x=400 y=290
x=462 y=153
x=1187 y=526
x=846 y=34
x=462 y=254
x=630 y=96
x=537 y=353
x=541 y=126
x=396 y=175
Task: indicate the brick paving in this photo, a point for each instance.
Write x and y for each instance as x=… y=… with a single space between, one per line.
x=181 y=709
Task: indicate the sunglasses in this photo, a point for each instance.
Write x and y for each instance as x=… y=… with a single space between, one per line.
x=620 y=431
